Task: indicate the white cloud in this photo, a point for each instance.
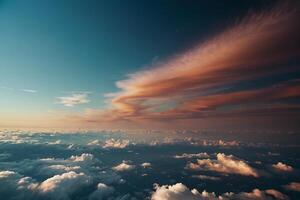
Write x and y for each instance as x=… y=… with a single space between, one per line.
x=205 y=177
x=16 y=89
x=282 y=167
x=124 y=167
x=27 y=182
x=47 y=159
x=175 y=192
x=180 y=191
x=103 y=191
x=224 y=164
x=63 y=185
x=55 y=142
x=73 y=100
x=58 y=187
x=95 y=142
x=294 y=186
x=63 y=167
x=119 y=144
x=146 y=164
x=83 y=157
x=193 y=155
x=74 y=158
x=5 y=174
x=28 y=90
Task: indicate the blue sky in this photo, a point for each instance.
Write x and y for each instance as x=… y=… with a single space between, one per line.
x=56 y=47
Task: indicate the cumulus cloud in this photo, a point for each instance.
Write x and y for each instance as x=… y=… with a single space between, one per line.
x=146 y=165
x=175 y=192
x=294 y=186
x=193 y=155
x=224 y=164
x=82 y=158
x=58 y=187
x=74 y=99
x=124 y=167
x=5 y=174
x=103 y=191
x=282 y=167
x=119 y=144
x=63 y=185
x=179 y=191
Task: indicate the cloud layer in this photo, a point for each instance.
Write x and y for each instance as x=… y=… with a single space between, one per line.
x=179 y=191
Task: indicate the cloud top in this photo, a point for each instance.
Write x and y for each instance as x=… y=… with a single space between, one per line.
x=179 y=191
x=224 y=164
x=282 y=167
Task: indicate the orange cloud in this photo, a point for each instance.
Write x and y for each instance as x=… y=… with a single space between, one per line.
x=259 y=46
x=193 y=84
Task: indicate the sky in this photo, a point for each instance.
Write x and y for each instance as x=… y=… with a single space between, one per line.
x=149 y=64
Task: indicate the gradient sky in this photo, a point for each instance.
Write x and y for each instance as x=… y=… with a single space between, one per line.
x=137 y=64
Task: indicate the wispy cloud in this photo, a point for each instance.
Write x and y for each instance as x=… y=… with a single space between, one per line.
x=74 y=99
x=294 y=186
x=29 y=90
x=195 y=84
x=21 y=90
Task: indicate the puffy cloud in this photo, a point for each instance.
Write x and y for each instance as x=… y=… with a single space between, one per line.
x=224 y=164
x=175 y=192
x=180 y=191
x=5 y=174
x=193 y=155
x=294 y=186
x=63 y=185
x=146 y=165
x=282 y=167
x=14 y=137
x=119 y=144
x=82 y=158
x=124 y=167
x=103 y=191
x=73 y=100
x=27 y=183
